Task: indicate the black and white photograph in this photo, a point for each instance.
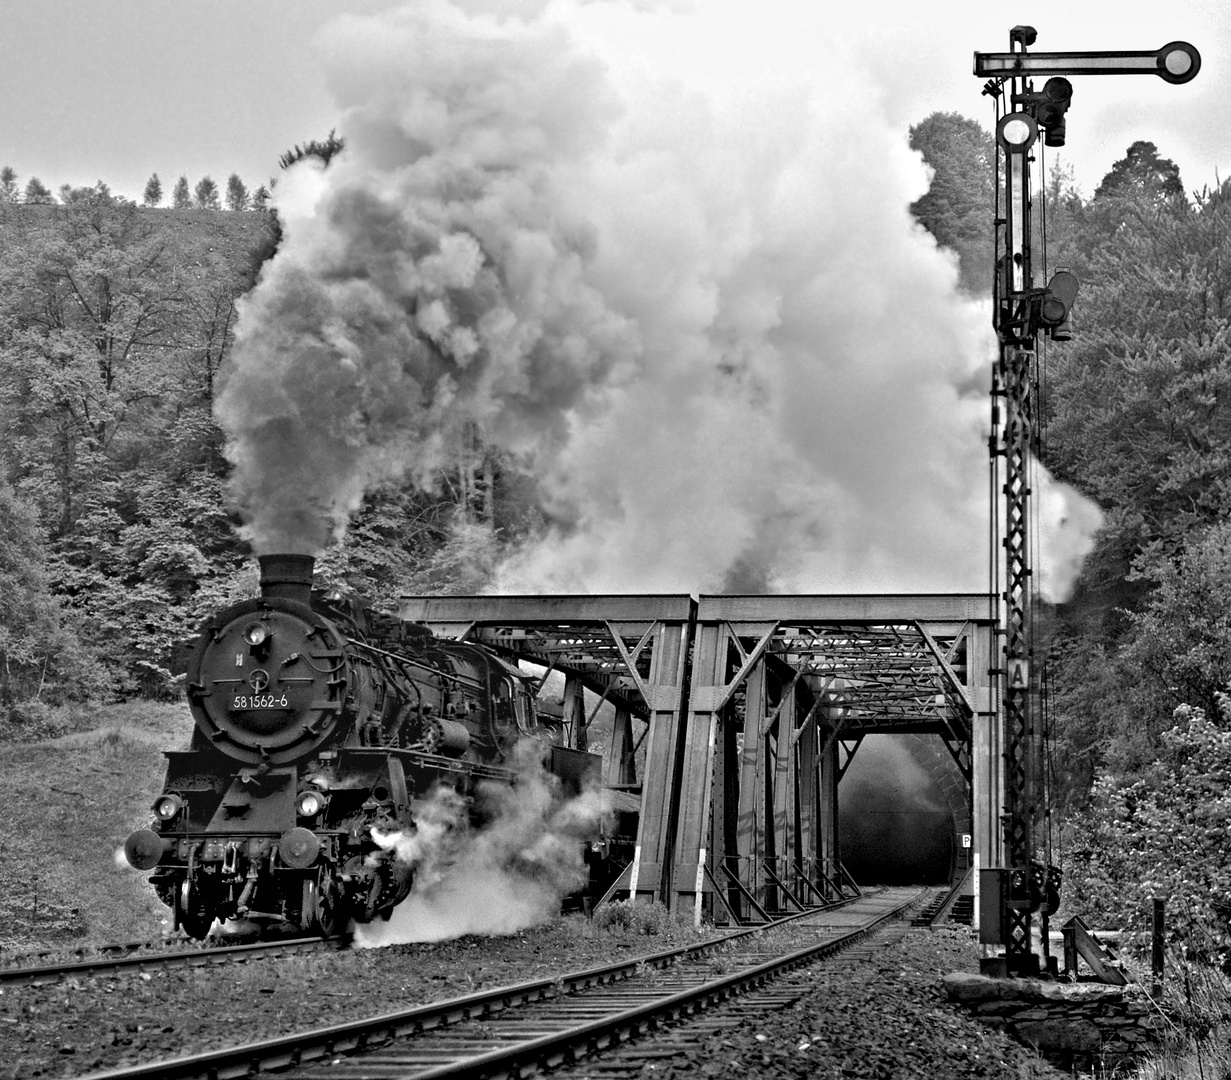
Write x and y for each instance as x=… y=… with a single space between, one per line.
x=615 y=538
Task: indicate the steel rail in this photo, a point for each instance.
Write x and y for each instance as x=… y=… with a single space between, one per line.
x=303 y=1048
x=580 y=1041
x=42 y=974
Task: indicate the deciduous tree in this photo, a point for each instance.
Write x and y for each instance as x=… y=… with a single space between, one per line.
x=36 y=192
x=113 y=325
x=41 y=656
x=181 y=197
x=959 y=205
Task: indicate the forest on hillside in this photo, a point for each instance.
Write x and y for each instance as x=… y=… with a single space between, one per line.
x=116 y=535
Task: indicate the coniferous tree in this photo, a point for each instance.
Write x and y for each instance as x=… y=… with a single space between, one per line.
x=153 y=192
x=1142 y=172
x=36 y=192
x=325 y=150
x=205 y=195
x=260 y=198
x=237 y=193
x=181 y=197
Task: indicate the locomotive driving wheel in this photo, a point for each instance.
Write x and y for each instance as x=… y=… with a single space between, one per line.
x=321 y=906
x=192 y=913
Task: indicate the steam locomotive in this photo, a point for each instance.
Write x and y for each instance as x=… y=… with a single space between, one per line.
x=319 y=725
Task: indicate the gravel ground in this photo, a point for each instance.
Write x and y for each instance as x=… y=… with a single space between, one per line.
x=91 y=1024
x=881 y=1017
x=876 y=1012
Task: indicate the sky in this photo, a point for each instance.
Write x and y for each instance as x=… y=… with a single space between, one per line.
x=119 y=89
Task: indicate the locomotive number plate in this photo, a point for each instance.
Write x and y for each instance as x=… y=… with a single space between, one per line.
x=260 y=701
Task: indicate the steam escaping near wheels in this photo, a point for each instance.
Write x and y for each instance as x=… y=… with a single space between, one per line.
x=509 y=874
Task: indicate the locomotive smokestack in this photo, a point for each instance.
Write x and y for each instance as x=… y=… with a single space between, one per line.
x=287 y=576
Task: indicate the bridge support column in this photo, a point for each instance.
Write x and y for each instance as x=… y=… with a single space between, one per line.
x=987 y=794
x=649 y=876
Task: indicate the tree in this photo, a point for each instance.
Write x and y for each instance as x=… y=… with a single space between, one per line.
x=237 y=193
x=41 y=658
x=1182 y=640
x=181 y=199
x=260 y=198
x=36 y=192
x=959 y=205
x=8 y=184
x=205 y=195
x=1142 y=172
x=109 y=354
x=70 y=195
x=1137 y=414
x=1165 y=835
x=325 y=150
x=153 y=191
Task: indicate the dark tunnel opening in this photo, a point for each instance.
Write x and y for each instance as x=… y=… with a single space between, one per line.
x=894 y=825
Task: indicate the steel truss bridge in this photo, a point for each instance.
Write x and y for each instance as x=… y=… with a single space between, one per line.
x=736 y=716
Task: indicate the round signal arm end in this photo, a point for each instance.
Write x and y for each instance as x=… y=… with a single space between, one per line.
x=1178 y=62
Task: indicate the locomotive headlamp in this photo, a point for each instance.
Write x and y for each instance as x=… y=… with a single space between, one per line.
x=309 y=804
x=168 y=806
x=1016 y=132
x=256 y=634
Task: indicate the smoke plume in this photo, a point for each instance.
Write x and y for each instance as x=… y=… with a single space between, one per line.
x=661 y=256
x=507 y=875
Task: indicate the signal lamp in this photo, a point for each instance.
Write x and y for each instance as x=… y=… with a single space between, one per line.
x=1053 y=103
x=168 y=806
x=1057 y=303
x=256 y=634
x=309 y=804
x=1016 y=132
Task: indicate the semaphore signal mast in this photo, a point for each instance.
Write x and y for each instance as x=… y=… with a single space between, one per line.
x=1022 y=313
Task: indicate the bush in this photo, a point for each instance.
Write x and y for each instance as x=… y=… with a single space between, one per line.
x=631 y=917
x=33 y=721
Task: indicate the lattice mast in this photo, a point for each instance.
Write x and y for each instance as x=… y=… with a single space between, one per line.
x=1022 y=313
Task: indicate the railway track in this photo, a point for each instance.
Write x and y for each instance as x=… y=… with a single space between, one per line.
x=546 y=1023
x=138 y=956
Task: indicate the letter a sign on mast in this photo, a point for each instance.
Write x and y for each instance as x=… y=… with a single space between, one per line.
x=1019 y=674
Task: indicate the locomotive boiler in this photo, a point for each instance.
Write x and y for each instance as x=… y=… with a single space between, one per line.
x=319 y=725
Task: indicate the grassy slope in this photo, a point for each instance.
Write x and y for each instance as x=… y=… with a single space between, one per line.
x=67 y=804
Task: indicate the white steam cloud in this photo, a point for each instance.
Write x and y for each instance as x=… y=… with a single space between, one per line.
x=508 y=875
x=663 y=256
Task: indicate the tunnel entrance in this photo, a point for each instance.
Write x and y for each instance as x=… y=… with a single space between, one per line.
x=895 y=824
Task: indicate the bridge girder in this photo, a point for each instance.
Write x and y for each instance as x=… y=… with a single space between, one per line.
x=753 y=706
